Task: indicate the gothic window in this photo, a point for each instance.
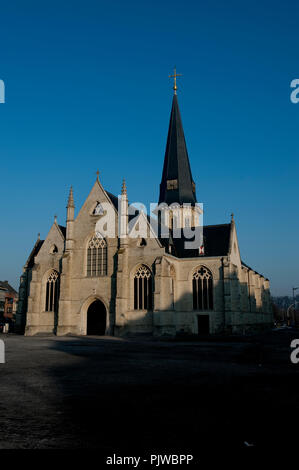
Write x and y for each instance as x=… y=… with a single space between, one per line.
x=53 y=249
x=202 y=284
x=97 y=257
x=52 y=292
x=143 y=289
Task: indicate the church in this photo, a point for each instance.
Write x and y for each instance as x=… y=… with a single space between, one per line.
x=82 y=281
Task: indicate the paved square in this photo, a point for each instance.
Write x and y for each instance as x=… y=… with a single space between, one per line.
x=141 y=395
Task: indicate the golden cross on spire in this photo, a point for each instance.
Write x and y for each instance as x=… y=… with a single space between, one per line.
x=174 y=77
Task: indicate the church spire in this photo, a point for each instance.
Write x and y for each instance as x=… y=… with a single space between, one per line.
x=177 y=184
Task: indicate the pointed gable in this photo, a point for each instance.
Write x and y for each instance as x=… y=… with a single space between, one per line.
x=145 y=226
x=234 y=250
x=97 y=196
x=55 y=237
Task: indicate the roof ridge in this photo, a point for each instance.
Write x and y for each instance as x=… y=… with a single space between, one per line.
x=217 y=225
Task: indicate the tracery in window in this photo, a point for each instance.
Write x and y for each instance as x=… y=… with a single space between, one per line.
x=52 y=292
x=143 y=289
x=202 y=285
x=97 y=257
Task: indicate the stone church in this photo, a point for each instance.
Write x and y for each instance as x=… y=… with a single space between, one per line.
x=78 y=281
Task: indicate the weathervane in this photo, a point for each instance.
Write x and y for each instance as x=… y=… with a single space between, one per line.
x=174 y=77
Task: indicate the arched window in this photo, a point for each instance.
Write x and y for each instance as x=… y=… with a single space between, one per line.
x=52 y=292
x=143 y=289
x=202 y=284
x=97 y=257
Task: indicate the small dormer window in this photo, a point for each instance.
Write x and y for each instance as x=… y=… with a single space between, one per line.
x=98 y=210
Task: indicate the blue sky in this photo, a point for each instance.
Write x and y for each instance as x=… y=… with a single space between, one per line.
x=87 y=88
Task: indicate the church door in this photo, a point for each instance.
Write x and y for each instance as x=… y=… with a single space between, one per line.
x=96 y=318
x=203 y=322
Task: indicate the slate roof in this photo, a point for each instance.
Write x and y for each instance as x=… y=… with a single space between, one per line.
x=176 y=162
x=63 y=230
x=216 y=242
x=216 y=237
x=5 y=285
x=34 y=252
x=114 y=199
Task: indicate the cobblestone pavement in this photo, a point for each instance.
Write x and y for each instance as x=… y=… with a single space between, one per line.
x=121 y=395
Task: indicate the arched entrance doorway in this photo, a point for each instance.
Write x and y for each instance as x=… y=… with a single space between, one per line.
x=96 y=318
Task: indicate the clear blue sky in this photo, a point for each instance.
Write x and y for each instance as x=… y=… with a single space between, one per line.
x=87 y=88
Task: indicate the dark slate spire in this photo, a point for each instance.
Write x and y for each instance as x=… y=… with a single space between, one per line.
x=177 y=184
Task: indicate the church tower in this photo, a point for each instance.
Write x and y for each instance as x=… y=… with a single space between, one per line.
x=177 y=188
